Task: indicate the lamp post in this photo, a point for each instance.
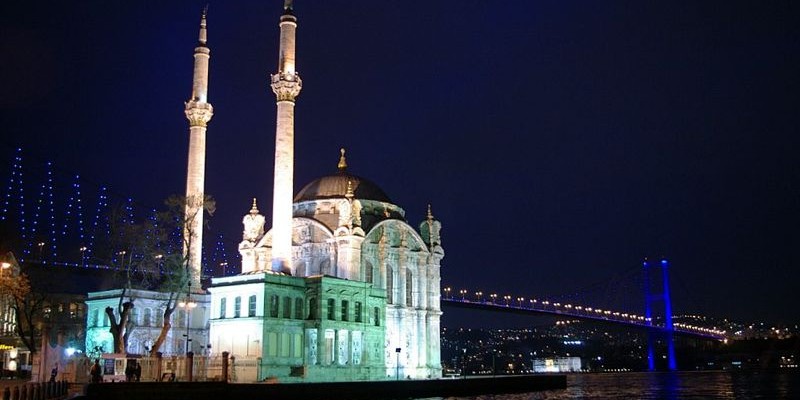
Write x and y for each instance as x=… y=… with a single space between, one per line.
x=41 y=248
x=187 y=304
x=397 y=364
x=121 y=255
x=83 y=255
x=464 y=364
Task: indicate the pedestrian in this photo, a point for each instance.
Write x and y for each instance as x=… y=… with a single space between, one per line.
x=54 y=373
x=97 y=374
x=129 y=371
x=137 y=371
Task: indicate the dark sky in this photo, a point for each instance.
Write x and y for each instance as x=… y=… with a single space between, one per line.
x=558 y=142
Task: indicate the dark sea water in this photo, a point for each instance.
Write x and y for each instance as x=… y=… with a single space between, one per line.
x=666 y=385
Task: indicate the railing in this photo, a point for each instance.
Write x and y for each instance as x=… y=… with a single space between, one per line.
x=37 y=391
x=204 y=368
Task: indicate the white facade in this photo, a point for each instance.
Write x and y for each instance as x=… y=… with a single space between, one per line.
x=147 y=317
x=345 y=227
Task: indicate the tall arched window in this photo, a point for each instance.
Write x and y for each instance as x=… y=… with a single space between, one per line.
x=389 y=285
x=409 y=288
x=148 y=317
x=368 y=272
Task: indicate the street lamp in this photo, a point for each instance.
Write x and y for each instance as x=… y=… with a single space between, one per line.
x=397 y=364
x=41 y=247
x=83 y=255
x=121 y=255
x=224 y=266
x=188 y=305
x=464 y=363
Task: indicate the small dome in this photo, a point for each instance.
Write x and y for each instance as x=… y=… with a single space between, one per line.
x=335 y=186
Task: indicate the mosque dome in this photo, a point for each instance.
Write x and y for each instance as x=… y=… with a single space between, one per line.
x=336 y=186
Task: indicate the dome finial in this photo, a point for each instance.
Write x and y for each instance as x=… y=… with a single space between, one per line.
x=430 y=215
x=342 y=161
x=349 y=194
x=254 y=208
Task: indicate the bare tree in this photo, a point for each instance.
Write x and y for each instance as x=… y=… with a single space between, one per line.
x=22 y=306
x=178 y=272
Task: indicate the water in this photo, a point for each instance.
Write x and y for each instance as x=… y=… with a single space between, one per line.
x=665 y=385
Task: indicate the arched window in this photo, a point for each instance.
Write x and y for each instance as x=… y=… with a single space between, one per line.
x=332 y=309
x=148 y=317
x=409 y=288
x=389 y=285
x=312 y=308
x=287 y=307
x=368 y=272
x=134 y=317
x=251 y=306
x=298 y=308
x=223 y=305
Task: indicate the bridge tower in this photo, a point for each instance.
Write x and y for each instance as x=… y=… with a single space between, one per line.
x=664 y=298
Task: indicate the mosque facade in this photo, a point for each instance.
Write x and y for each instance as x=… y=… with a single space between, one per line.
x=341 y=287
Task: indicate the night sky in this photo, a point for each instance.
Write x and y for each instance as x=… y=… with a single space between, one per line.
x=558 y=142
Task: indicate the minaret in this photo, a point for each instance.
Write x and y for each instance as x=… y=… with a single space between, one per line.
x=286 y=84
x=198 y=112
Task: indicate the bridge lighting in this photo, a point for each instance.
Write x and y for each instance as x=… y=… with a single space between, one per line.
x=463 y=293
x=447 y=292
x=479 y=296
x=545 y=302
x=493 y=296
x=579 y=308
x=568 y=305
x=507 y=298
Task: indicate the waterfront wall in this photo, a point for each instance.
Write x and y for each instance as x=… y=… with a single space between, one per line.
x=319 y=391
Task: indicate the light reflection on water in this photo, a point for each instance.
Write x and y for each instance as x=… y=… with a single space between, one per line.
x=666 y=385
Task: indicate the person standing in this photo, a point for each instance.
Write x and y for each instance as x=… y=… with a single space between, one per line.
x=96 y=372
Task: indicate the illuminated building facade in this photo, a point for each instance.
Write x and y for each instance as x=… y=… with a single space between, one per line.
x=341 y=287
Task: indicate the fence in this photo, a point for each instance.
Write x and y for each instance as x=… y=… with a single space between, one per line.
x=204 y=368
x=36 y=391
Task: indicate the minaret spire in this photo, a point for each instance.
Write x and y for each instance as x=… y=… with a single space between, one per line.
x=199 y=112
x=286 y=85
